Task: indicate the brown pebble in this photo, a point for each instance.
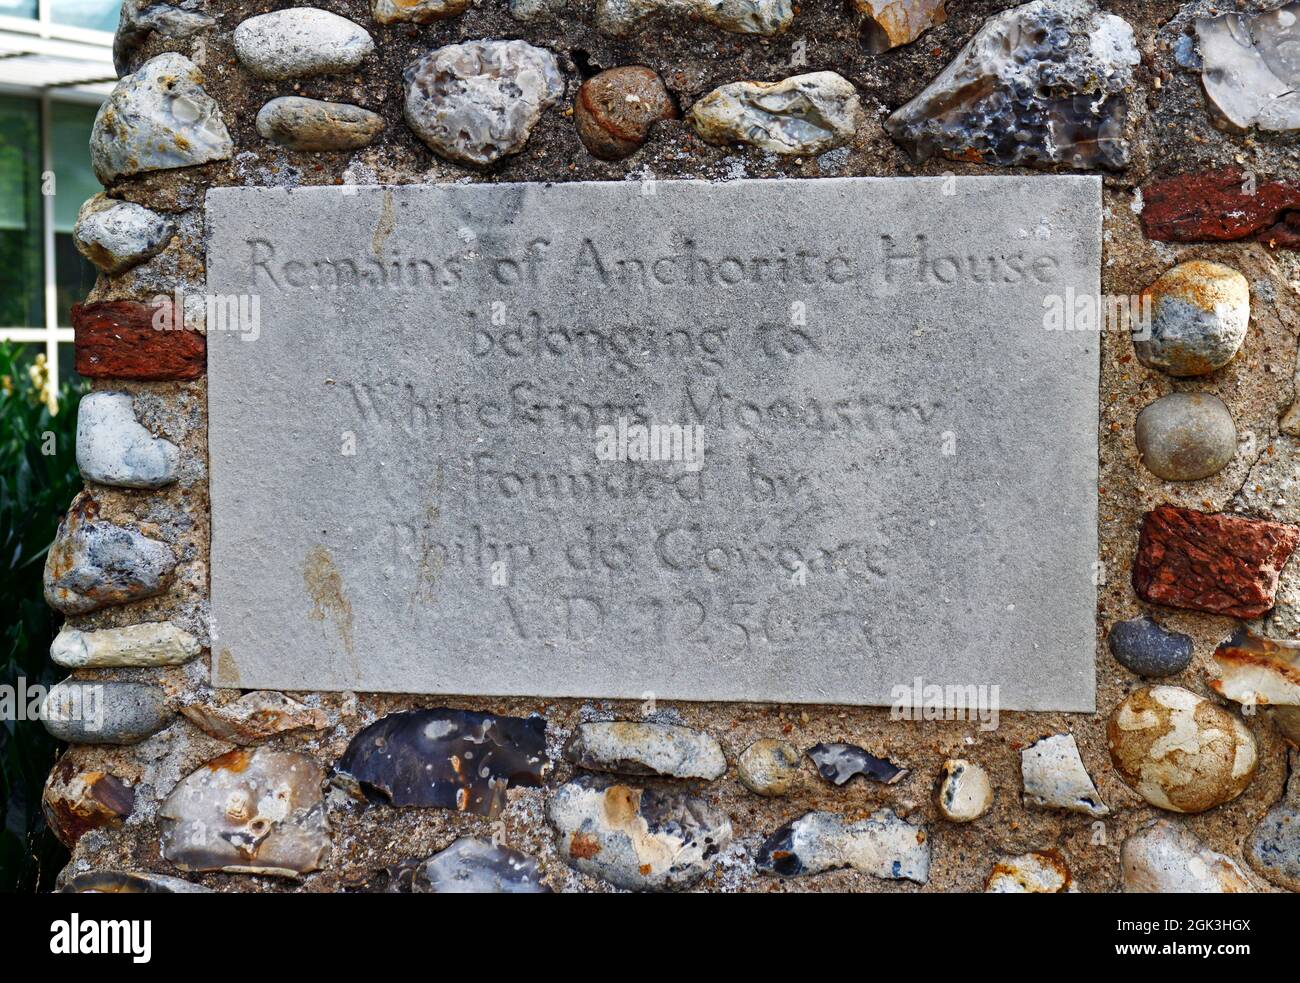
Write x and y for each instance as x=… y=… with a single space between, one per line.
x=615 y=110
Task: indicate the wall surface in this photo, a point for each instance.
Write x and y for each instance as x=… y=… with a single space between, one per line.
x=1170 y=132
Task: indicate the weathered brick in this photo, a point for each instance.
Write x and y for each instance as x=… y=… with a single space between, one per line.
x=1210 y=562
x=1218 y=206
x=117 y=339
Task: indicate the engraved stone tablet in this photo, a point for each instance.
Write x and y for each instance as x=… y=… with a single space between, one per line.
x=807 y=441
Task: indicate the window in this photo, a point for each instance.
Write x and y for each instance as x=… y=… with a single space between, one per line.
x=45 y=176
x=21 y=247
x=83 y=15
x=74 y=276
x=55 y=71
x=25 y=9
x=94 y=15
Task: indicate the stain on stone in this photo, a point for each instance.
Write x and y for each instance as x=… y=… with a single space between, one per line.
x=325 y=588
x=384 y=227
x=227 y=673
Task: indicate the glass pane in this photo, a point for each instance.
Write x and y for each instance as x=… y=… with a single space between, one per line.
x=74 y=276
x=67 y=361
x=18 y=8
x=21 y=259
x=98 y=15
x=74 y=180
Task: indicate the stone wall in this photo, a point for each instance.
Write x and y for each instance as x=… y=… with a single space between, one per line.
x=1194 y=170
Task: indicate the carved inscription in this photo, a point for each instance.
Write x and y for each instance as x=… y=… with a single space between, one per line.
x=798 y=441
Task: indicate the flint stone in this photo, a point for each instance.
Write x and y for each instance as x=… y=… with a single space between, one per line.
x=965 y=792
x=1186 y=436
x=77 y=800
x=300 y=42
x=636 y=838
x=764 y=17
x=248 y=812
x=310 y=124
x=450 y=759
x=1141 y=646
x=632 y=748
x=117 y=235
x=1178 y=750
x=890 y=23
x=114 y=449
x=415 y=11
x=1055 y=778
x=92 y=712
x=881 y=845
x=254 y=717
x=532 y=11
x=129 y=882
x=837 y=763
x=1199 y=315
x=139 y=19
x=471 y=866
x=1039 y=872
x=1041 y=84
x=154 y=643
x=1166 y=859
x=477 y=102
x=386 y=599
x=94 y=564
x=1273 y=849
x=1251 y=68
x=1256 y=671
x=803 y=114
x=158 y=119
x=768 y=767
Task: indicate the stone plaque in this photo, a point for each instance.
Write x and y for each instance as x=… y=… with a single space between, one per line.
x=807 y=441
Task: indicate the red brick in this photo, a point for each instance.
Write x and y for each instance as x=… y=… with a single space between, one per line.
x=1213 y=206
x=117 y=339
x=1210 y=562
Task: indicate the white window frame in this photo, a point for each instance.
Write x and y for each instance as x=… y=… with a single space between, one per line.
x=42 y=26
x=55 y=38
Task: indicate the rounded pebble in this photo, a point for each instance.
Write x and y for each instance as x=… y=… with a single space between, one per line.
x=768 y=767
x=1186 y=436
x=1178 y=750
x=83 y=711
x=310 y=124
x=1141 y=646
x=300 y=42
x=1199 y=315
x=965 y=793
x=615 y=110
